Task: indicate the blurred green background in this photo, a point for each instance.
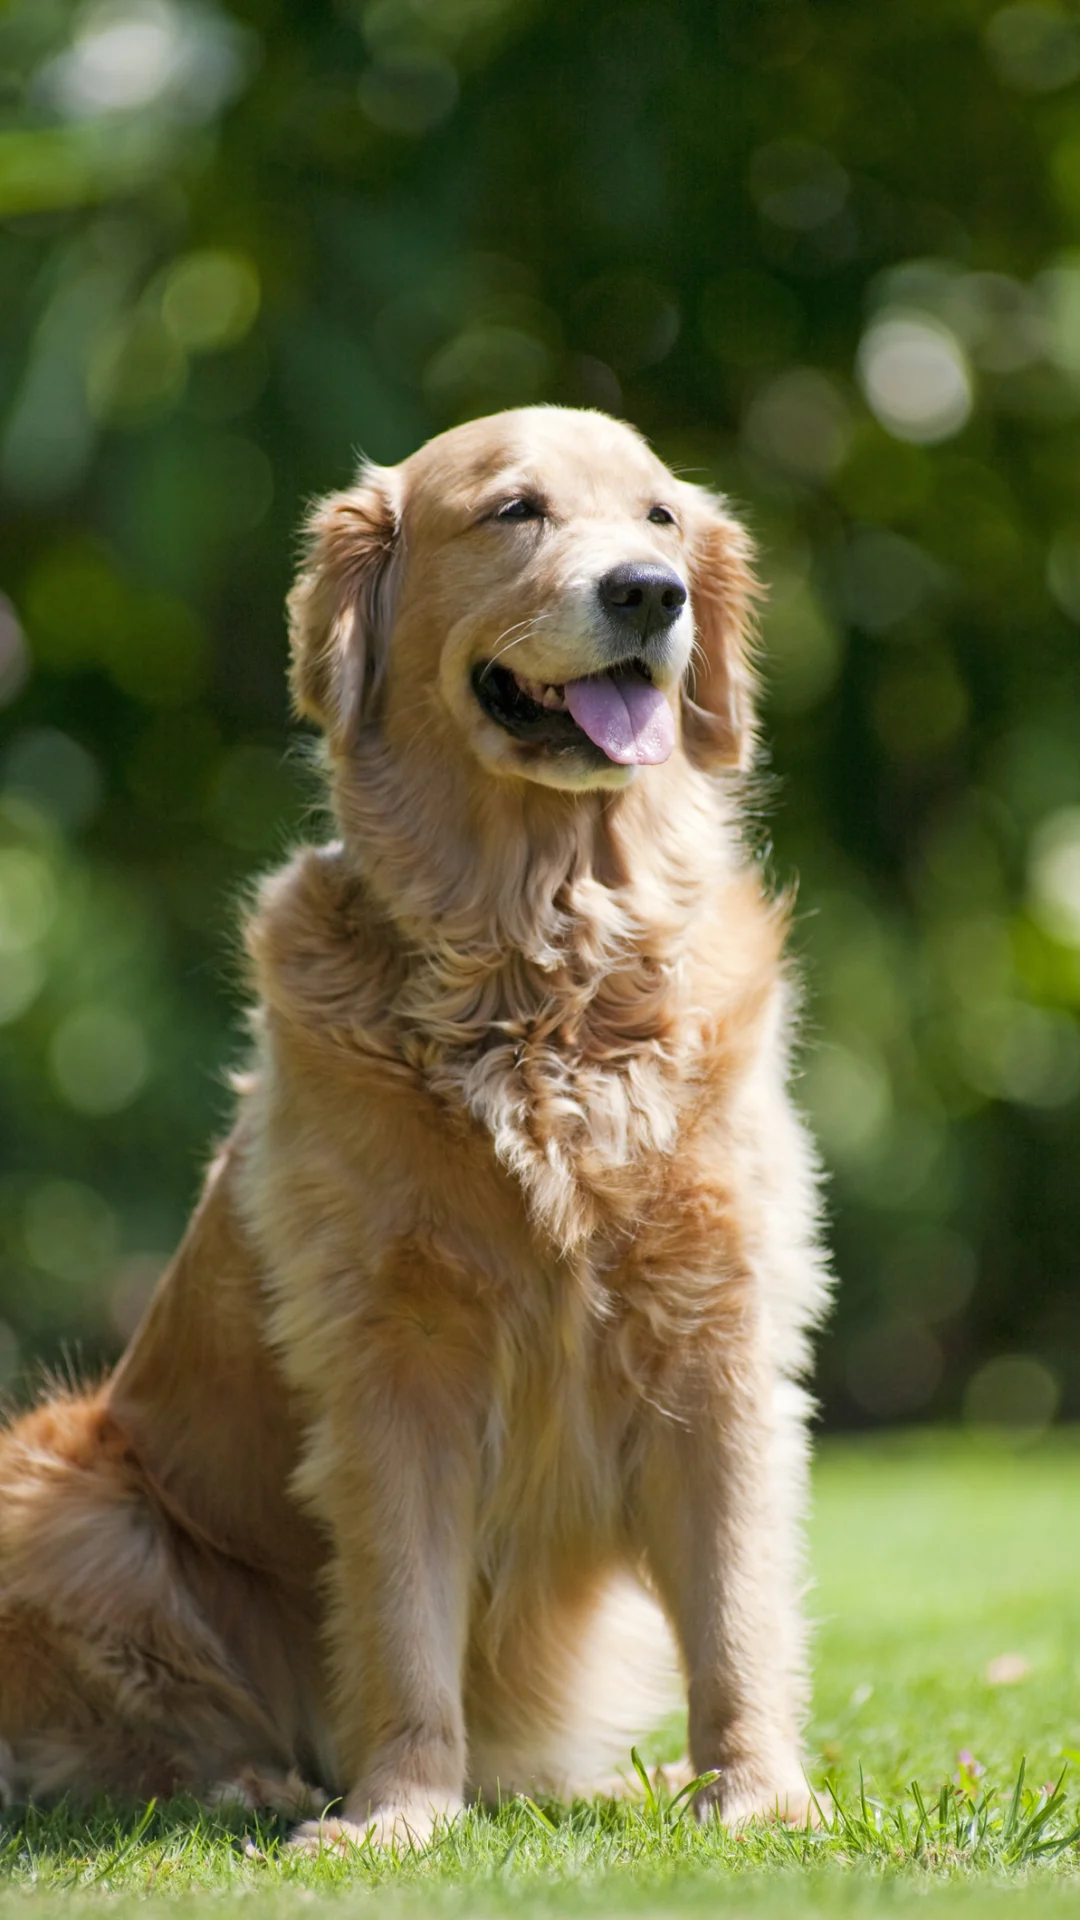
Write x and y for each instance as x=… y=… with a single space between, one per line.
x=828 y=257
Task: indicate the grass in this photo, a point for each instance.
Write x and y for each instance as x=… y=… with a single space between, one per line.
x=933 y=1559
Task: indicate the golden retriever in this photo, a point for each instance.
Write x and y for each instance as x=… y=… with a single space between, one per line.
x=490 y=1321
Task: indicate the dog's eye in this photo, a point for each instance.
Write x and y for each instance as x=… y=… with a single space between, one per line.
x=660 y=517
x=520 y=510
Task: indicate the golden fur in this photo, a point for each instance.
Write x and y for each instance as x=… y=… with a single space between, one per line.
x=490 y=1321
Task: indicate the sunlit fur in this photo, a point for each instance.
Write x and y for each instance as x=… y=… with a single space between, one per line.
x=480 y=1358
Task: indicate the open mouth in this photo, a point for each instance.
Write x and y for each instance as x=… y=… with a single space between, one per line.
x=618 y=716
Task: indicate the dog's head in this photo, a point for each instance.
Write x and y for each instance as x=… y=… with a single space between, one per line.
x=539 y=582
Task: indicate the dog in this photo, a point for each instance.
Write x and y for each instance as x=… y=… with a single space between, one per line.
x=479 y=1367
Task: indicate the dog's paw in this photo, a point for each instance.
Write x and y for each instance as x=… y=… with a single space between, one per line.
x=407 y=1824
x=741 y=1796
x=287 y=1794
x=330 y=1835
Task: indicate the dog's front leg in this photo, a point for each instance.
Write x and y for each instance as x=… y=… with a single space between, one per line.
x=392 y=1467
x=720 y=1494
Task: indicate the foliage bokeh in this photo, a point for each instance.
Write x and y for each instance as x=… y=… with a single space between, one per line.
x=828 y=257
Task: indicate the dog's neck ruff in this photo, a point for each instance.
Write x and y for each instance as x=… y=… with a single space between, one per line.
x=537 y=974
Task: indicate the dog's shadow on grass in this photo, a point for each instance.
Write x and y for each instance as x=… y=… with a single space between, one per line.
x=96 y=1838
x=107 y=1841
x=93 y=1840
x=112 y=1844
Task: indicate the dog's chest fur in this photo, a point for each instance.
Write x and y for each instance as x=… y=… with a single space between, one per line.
x=529 y=1169
x=559 y=1127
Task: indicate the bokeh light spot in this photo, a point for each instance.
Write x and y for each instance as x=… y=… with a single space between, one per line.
x=409 y=91
x=70 y=1231
x=161 y=658
x=123 y=56
x=915 y=376
x=1034 y=48
x=1039 y=1061
x=253 y=799
x=799 y=423
x=131 y=55
x=22 y=976
x=210 y=299
x=1014 y=1394
x=28 y=899
x=136 y=370
x=1057 y=287
x=57 y=775
x=75 y=604
x=99 y=1060
x=1063 y=572
x=893 y=1368
x=929 y=1273
x=486 y=368
x=850 y=1099
x=1054 y=875
x=885 y=579
x=803 y=649
x=920 y=705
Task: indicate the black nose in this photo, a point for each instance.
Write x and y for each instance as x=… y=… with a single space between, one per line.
x=642 y=595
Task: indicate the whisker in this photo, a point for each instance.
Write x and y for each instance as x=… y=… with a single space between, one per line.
x=496 y=657
x=697 y=657
x=529 y=634
x=531 y=620
x=514 y=627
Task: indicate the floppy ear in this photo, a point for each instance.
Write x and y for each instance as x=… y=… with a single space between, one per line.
x=341 y=609
x=718 y=716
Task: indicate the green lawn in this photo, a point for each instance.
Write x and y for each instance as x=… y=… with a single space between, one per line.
x=933 y=1559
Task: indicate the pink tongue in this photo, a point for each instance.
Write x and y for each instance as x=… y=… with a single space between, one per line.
x=624 y=716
